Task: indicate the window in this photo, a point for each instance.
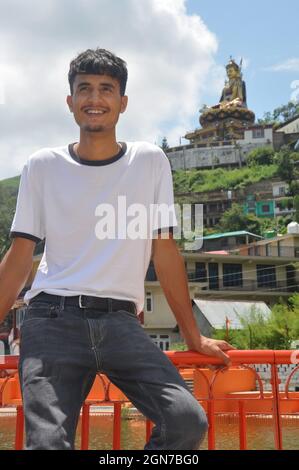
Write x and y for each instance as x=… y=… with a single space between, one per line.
x=281 y=191
x=265 y=208
x=213 y=269
x=232 y=275
x=266 y=276
x=200 y=272
x=162 y=341
x=148 y=302
x=258 y=133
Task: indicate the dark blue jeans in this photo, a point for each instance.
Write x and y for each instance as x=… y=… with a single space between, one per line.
x=64 y=347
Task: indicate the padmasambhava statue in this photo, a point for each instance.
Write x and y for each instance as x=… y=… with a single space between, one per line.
x=227 y=120
x=234 y=91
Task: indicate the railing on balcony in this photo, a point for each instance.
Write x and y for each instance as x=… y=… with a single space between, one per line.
x=244 y=285
x=258 y=250
x=237 y=390
x=277 y=251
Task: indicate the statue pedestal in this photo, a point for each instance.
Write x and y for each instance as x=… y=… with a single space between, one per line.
x=222 y=124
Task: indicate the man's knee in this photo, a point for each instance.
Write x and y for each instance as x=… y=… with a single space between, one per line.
x=47 y=442
x=188 y=427
x=198 y=428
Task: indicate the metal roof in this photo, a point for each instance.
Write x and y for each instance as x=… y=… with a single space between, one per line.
x=216 y=311
x=230 y=234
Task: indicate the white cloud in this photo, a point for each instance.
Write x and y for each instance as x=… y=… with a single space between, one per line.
x=170 y=57
x=289 y=65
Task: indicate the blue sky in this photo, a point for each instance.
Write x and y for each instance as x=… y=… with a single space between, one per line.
x=265 y=33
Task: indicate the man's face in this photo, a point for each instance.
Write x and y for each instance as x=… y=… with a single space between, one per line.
x=96 y=102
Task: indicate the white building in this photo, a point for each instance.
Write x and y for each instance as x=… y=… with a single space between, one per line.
x=257 y=136
x=220 y=154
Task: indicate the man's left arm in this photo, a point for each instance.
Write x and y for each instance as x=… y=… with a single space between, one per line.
x=170 y=269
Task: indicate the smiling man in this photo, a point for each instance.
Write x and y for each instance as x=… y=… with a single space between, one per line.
x=81 y=317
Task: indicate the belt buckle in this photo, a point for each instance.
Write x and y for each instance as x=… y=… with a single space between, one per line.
x=80 y=302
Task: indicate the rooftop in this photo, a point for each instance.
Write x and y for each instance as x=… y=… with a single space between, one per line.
x=230 y=234
x=217 y=311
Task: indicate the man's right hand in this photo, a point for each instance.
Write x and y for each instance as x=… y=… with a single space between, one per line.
x=214 y=348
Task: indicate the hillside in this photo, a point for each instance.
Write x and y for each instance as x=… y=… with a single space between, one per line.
x=200 y=181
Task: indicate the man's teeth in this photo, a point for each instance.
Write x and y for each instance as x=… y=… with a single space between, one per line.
x=94 y=111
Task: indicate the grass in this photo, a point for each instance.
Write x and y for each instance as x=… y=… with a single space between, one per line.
x=200 y=181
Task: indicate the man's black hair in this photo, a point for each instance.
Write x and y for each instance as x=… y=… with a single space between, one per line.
x=99 y=62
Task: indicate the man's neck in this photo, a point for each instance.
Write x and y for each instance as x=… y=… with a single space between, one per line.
x=96 y=146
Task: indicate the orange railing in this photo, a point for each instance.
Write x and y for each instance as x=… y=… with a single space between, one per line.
x=236 y=390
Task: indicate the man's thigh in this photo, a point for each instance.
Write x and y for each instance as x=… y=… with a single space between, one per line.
x=138 y=367
x=56 y=373
x=126 y=348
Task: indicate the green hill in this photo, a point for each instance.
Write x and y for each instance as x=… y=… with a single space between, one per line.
x=200 y=181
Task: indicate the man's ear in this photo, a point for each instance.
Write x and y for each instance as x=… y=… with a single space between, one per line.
x=69 y=101
x=124 y=103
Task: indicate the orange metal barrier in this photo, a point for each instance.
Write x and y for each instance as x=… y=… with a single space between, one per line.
x=235 y=390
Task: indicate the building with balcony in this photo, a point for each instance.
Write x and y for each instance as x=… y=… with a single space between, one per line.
x=287 y=133
x=228 y=240
x=234 y=276
x=278 y=246
x=266 y=198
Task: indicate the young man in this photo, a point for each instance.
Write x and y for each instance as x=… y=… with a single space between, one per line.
x=82 y=309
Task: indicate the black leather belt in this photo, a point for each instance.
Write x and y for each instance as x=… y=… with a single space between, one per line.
x=87 y=301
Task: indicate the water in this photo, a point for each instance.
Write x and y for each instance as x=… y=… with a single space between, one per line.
x=260 y=433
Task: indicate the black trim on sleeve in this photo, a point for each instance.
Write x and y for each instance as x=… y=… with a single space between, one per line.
x=25 y=235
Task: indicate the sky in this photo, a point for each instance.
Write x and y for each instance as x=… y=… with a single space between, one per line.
x=176 y=51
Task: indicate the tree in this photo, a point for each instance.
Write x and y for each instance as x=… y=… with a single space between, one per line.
x=286 y=168
x=278 y=223
x=260 y=156
x=277 y=331
x=235 y=219
x=281 y=114
x=267 y=119
x=164 y=145
x=296 y=207
x=285 y=112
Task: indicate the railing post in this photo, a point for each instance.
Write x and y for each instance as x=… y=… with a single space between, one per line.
x=149 y=427
x=211 y=419
x=116 y=426
x=85 y=427
x=242 y=426
x=19 y=428
x=276 y=407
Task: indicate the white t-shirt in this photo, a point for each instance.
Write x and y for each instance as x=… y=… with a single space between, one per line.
x=60 y=199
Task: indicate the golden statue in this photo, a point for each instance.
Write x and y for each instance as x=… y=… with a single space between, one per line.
x=227 y=120
x=234 y=91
